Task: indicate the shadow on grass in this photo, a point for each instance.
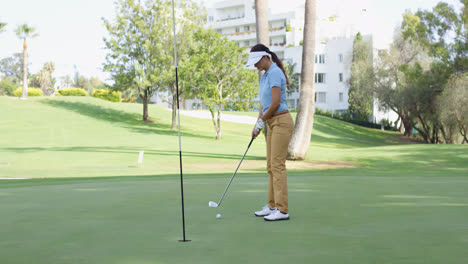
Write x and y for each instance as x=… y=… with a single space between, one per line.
x=130 y=150
x=349 y=135
x=93 y=180
x=131 y=121
x=414 y=160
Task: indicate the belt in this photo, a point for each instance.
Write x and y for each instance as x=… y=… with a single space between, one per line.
x=281 y=113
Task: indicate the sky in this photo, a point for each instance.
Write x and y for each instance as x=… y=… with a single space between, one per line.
x=71 y=32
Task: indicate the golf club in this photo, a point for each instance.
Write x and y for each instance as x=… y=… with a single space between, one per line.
x=213 y=204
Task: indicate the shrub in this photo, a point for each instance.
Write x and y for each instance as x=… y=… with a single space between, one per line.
x=6 y=88
x=32 y=91
x=288 y=28
x=72 y=92
x=128 y=99
x=113 y=96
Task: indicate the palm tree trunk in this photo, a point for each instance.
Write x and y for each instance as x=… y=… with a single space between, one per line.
x=25 y=70
x=300 y=139
x=261 y=15
x=263 y=33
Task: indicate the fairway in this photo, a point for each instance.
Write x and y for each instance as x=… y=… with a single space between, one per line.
x=361 y=196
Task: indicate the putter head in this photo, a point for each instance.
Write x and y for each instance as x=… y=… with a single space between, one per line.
x=212 y=204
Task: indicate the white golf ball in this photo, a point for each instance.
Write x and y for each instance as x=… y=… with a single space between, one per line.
x=218 y=216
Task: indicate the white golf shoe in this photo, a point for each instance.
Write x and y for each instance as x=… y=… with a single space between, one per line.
x=276 y=215
x=265 y=211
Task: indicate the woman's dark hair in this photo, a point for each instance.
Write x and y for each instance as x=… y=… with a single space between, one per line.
x=261 y=47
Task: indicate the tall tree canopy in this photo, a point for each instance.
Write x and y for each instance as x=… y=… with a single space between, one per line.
x=141 y=48
x=361 y=82
x=214 y=72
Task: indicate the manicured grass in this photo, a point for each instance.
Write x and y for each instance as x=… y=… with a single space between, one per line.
x=89 y=203
x=342 y=219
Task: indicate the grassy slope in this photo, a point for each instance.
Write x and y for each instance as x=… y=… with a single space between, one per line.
x=402 y=204
x=87 y=137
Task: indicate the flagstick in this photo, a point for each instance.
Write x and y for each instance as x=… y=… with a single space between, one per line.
x=178 y=120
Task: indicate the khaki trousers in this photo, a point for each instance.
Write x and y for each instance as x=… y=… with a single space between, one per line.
x=280 y=129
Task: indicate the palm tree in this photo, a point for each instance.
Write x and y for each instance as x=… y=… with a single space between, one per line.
x=261 y=15
x=293 y=78
x=300 y=139
x=263 y=33
x=23 y=32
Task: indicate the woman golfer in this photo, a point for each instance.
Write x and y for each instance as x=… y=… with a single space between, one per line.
x=274 y=114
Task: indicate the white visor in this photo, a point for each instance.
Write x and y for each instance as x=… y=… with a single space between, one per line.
x=255 y=57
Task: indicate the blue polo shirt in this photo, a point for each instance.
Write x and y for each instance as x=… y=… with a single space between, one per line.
x=273 y=77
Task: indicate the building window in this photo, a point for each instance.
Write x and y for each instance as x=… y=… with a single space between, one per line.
x=322 y=58
x=237 y=29
x=321 y=97
x=210 y=19
x=219 y=31
x=246 y=28
x=340 y=77
x=340 y=58
x=320 y=78
x=246 y=43
x=340 y=96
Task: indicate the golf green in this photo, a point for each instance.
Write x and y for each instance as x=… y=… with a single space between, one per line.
x=335 y=219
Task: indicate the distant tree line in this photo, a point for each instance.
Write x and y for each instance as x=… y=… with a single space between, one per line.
x=14 y=71
x=422 y=76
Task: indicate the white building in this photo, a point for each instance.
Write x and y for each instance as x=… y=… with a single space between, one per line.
x=236 y=20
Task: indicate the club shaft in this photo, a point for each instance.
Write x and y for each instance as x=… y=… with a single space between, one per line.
x=232 y=177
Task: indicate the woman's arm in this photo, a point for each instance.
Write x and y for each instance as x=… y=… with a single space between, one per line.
x=275 y=103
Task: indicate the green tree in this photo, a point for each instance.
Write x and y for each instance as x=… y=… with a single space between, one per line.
x=293 y=78
x=44 y=79
x=136 y=59
x=453 y=113
x=7 y=87
x=214 y=72
x=392 y=88
x=95 y=83
x=80 y=81
x=193 y=18
x=65 y=81
x=12 y=66
x=140 y=46
x=2 y=27
x=361 y=81
x=24 y=32
x=443 y=33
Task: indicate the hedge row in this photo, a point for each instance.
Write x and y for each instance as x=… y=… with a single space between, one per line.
x=72 y=92
x=113 y=96
x=32 y=91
